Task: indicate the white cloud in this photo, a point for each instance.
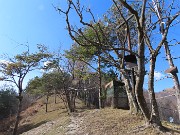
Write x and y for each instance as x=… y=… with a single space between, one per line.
x=5 y=62
x=42 y=70
x=47 y=63
x=158 y=75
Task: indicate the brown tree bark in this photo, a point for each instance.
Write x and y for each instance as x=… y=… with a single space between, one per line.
x=20 y=97
x=164 y=30
x=174 y=76
x=155 y=118
x=55 y=96
x=134 y=109
x=140 y=20
x=99 y=76
x=47 y=98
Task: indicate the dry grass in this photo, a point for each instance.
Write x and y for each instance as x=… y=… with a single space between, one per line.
x=110 y=121
x=106 y=121
x=55 y=112
x=36 y=116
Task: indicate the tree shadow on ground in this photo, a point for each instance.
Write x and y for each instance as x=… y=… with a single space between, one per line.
x=28 y=127
x=173 y=131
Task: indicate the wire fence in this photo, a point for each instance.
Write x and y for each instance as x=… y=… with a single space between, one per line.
x=167 y=104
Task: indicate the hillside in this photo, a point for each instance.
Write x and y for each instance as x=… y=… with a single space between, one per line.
x=84 y=121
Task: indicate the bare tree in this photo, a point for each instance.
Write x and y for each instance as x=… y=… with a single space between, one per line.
x=165 y=18
x=100 y=40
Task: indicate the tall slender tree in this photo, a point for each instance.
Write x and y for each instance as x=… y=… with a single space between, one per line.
x=166 y=16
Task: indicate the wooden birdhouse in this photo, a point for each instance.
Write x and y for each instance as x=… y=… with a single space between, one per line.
x=131 y=61
x=172 y=70
x=130 y=58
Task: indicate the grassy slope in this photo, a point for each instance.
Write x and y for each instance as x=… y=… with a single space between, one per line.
x=94 y=122
x=55 y=112
x=110 y=121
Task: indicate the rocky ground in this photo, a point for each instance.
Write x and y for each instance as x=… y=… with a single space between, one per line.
x=100 y=122
x=107 y=121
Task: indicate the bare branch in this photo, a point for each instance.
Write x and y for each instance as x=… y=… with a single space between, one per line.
x=135 y=13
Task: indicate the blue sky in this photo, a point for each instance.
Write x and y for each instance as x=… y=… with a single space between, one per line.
x=31 y=22
x=35 y=22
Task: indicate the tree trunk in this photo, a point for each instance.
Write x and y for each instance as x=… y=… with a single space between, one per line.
x=132 y=103
x=141 y=59
x=64 y=101
x=85 y=97
x=133 y=81
x=99 y=73
x=140 y=98
x=18 y=113
x=55 y=95
x=140 y=76
x=154 y=119
x=71 y=96
x=88 y=98
x=68 y=98
x=47 y=98
x=74 y=94
x=174 y=76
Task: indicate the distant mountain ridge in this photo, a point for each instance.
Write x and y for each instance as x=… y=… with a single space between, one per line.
x=167 y=103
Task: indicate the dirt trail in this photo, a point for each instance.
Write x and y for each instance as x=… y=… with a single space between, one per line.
x=98 y=122
x=78 y=123
x=43 y=129
x=74 y=128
